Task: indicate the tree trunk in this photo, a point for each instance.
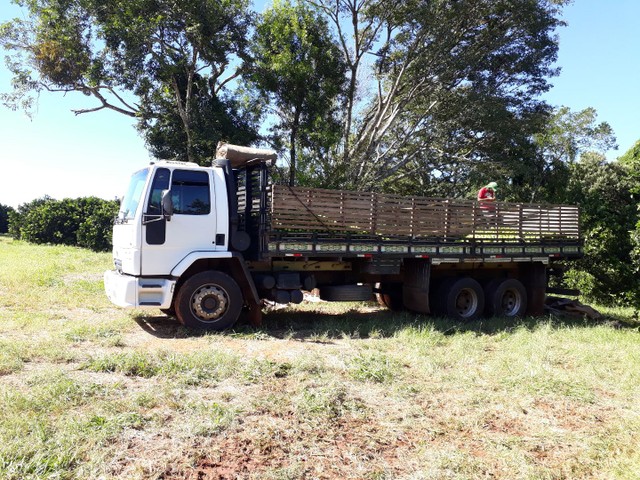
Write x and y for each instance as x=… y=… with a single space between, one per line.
x=183 y=111
x=184 y=108
x=292 y=147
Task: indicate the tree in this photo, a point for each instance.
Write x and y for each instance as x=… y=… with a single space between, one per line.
x=17 y=217
x=96 y=226
x=472 y=140
x=213 y=119
x=4 y=217
x=609 y=213
x=298 y=67
x=444 y=72
x=562 y=141
x=85 y=222
x=631 y=160
x=164 y=63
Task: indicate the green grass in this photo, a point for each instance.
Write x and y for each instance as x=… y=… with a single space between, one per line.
x=191 y=369
x=322 y=390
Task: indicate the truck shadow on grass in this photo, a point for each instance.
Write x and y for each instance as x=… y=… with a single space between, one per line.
x=384 y=324
x=324 y=327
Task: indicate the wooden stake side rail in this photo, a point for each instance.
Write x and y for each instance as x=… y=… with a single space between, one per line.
x=338 y=212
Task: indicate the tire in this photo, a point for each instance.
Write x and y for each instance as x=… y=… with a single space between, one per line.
x=505 y=298
x=209 y=301
x=461 y=299
x=391 y=298
x=346 y=293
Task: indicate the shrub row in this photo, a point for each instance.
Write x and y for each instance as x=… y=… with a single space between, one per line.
x=4 y=217
x=84 y=222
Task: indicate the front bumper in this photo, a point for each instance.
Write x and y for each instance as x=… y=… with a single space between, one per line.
x=134 y=292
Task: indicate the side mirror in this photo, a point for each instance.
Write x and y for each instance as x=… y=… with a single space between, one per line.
x=167 y=204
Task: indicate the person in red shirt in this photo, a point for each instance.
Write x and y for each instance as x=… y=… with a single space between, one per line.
x=488 y=193
x=487 y=198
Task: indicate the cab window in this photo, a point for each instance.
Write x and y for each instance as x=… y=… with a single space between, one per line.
x=160 y=183
x=190 y=192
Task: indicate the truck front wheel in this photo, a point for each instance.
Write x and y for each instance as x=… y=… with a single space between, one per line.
x=209 y=301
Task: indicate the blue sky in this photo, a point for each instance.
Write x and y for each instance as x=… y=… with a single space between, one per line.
x=61 y=155
x=600 y=60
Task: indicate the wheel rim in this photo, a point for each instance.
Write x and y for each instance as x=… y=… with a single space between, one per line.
x=209 y=303
x=466 y=303
x=511 y=302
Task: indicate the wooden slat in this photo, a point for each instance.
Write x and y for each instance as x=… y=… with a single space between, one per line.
x=365 y=213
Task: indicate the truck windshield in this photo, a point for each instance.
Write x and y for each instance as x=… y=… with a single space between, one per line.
x=132 y=198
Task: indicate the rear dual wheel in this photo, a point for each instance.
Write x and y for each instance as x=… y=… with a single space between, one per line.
x=389 y=295
x=461 y=299
x=465 y=300
x=505 y=298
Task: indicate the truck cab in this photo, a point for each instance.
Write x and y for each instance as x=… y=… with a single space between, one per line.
x=172 y=213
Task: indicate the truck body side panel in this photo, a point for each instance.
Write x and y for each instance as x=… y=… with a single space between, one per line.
x=380 y=218
x=288 y=221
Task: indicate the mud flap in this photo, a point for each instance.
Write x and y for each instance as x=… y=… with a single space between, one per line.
x=415 y=291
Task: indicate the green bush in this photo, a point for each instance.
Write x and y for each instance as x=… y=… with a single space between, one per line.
x=84 y=222
x=53 y=222
x=17 y=217
x=95 y=231
x=609 y=213
x=5 y=210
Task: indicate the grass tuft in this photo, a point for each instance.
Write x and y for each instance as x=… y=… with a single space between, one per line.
x=374 y=367
x=189 y=369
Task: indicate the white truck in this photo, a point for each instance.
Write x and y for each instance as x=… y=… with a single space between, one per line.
x=208 y=244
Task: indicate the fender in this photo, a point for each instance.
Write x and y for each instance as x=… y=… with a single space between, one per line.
x=240 y=270
x=193 y=257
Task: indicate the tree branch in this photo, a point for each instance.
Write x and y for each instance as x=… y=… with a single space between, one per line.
x=95 y=91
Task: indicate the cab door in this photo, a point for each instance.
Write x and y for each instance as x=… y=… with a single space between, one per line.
x=192 y=227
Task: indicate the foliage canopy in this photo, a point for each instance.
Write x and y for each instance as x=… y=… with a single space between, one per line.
x=298 y=68
x=164 y=63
